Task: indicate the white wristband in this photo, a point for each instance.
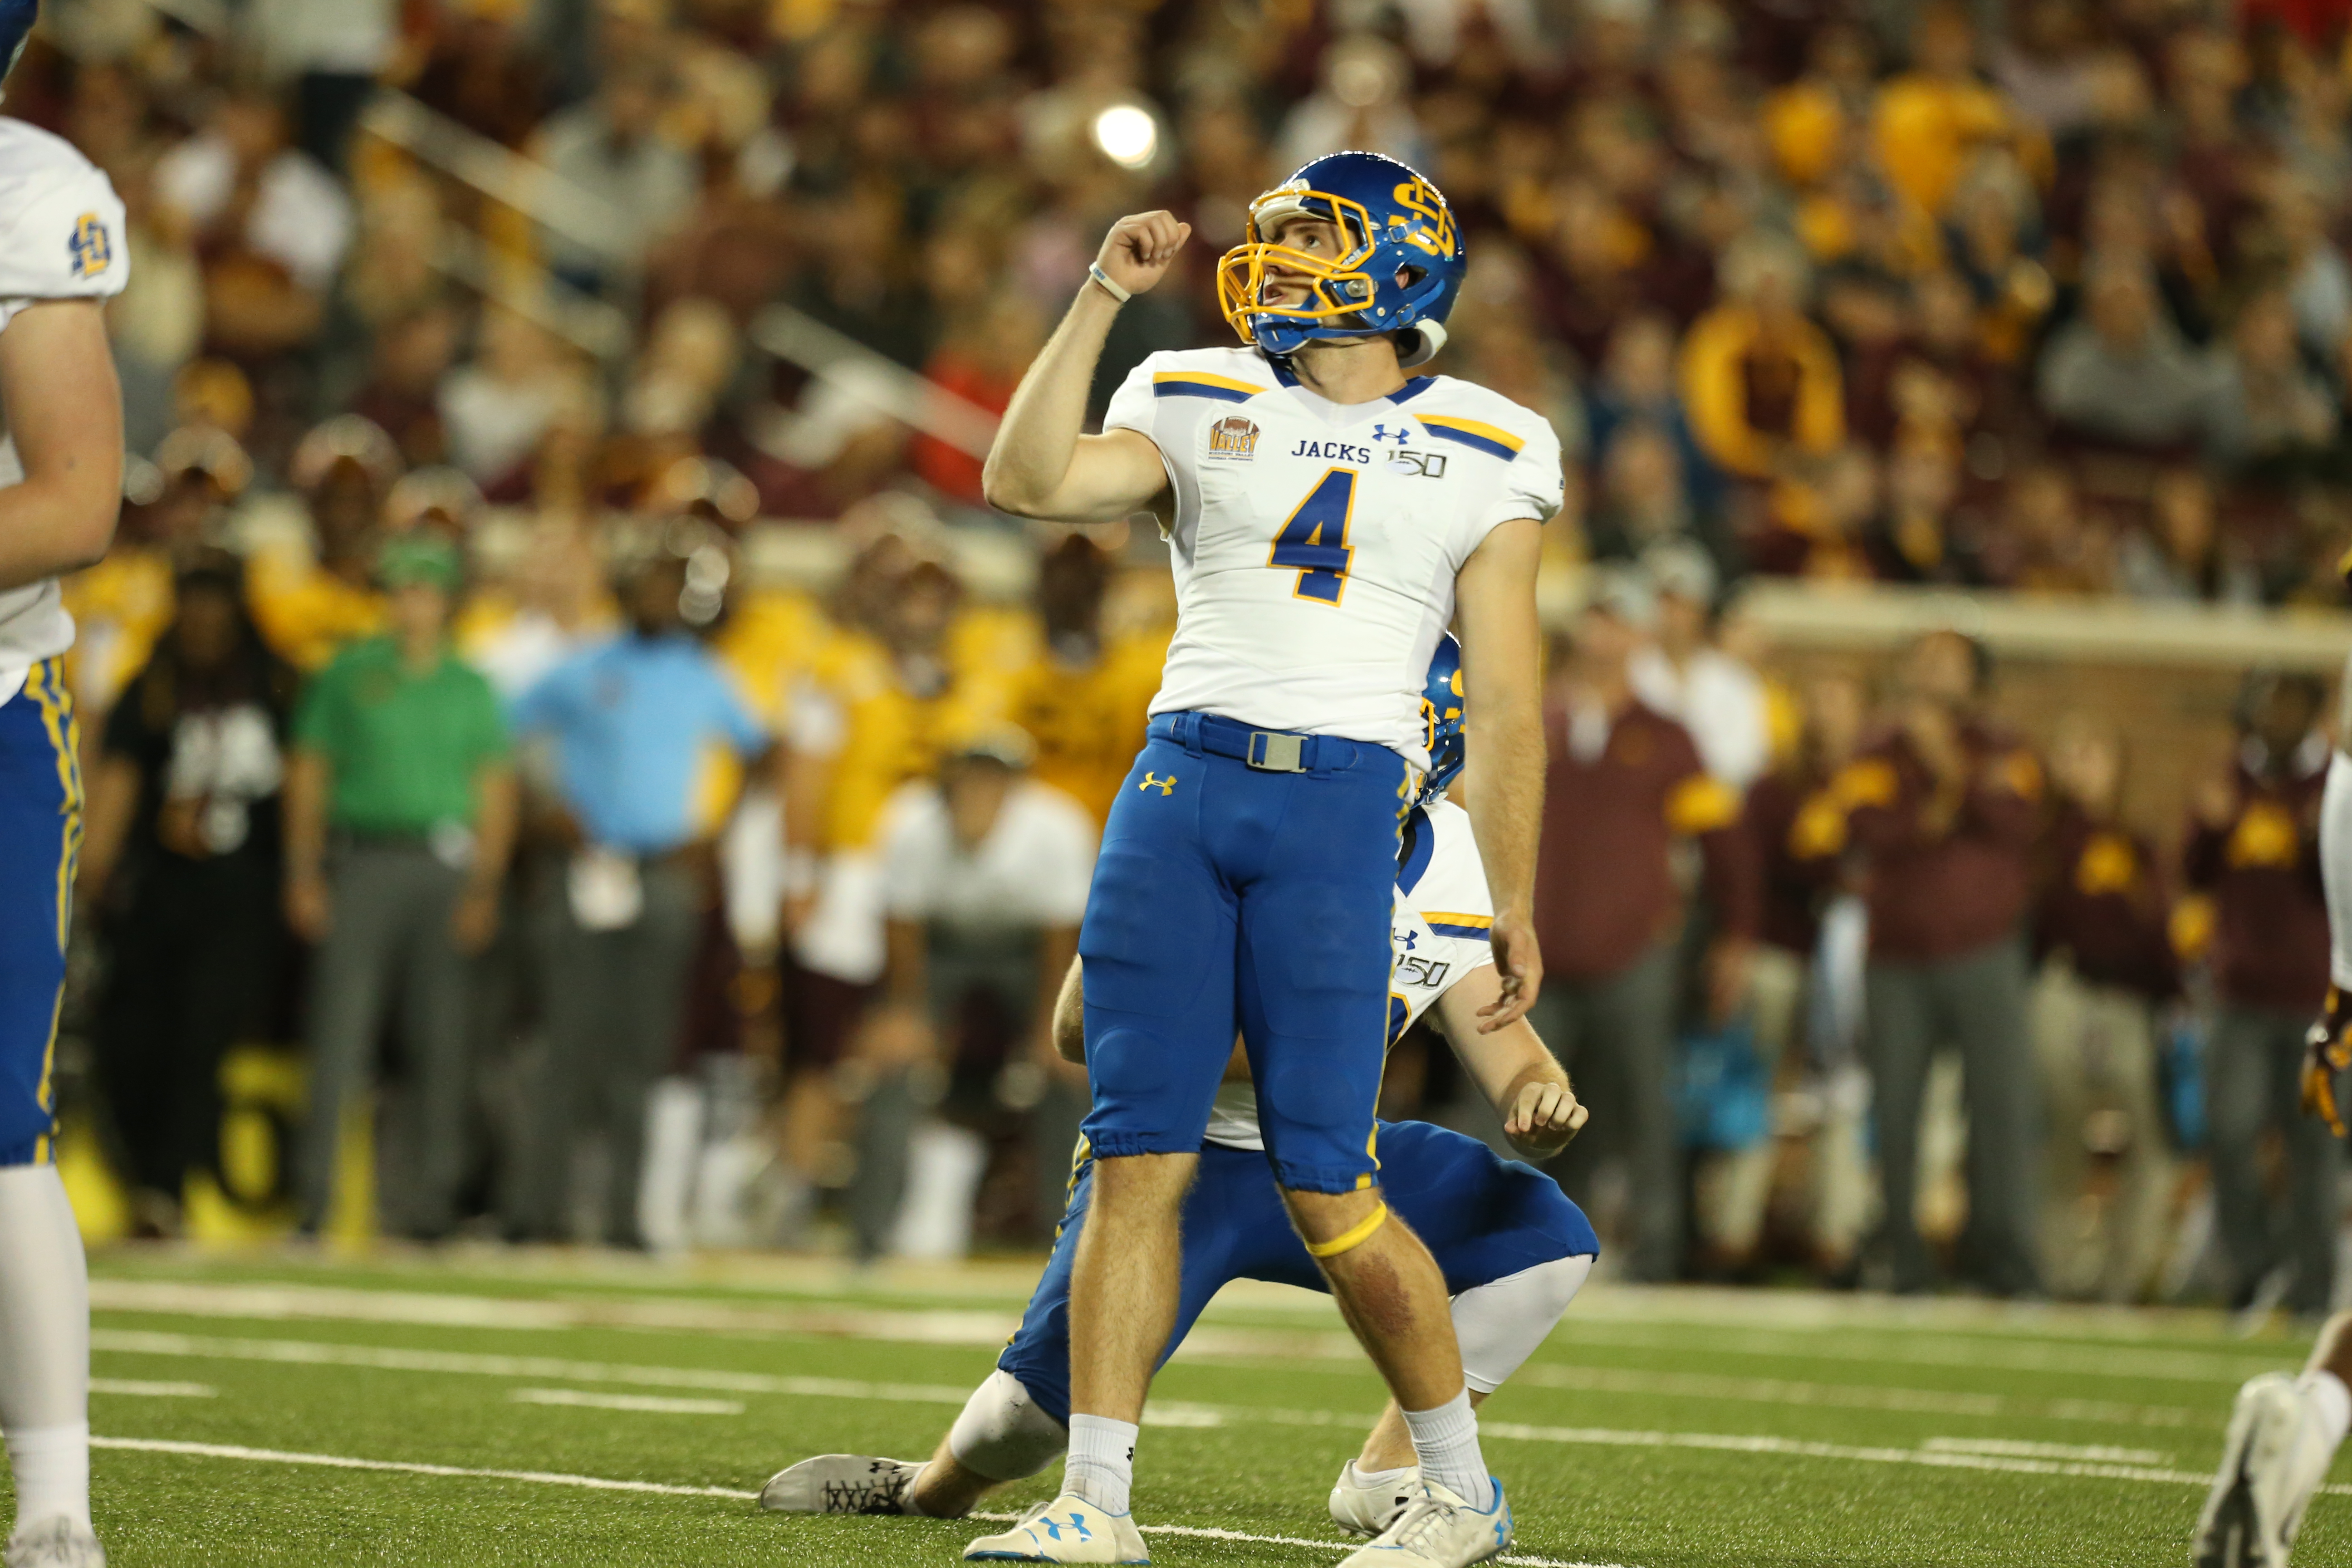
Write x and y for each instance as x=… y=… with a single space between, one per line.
x=1095 y=271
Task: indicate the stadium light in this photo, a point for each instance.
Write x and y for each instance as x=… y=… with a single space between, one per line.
x=1127 y=135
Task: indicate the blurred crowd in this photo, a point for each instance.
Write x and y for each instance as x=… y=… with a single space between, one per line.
x=445 y=718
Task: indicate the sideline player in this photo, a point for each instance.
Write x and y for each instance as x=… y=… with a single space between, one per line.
x=2285 y=1428
x=1331 y=514
x=61 y=239
x=1514 y=1250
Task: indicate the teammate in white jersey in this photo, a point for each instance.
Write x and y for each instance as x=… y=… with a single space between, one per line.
x=1513 y=1248
x=1329 y=513
x=61 y=256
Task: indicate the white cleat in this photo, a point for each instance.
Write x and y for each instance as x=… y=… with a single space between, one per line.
x=1066 y=1529
x=2272 y=1463
x=841 y=1483
x=1362 y=1509
x=56 y=1542
x=1438 y=1530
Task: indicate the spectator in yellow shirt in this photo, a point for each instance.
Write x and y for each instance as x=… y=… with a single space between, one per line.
x=310 y=605
x=1760 y=379
x=1931 y=119
x=1086 y=696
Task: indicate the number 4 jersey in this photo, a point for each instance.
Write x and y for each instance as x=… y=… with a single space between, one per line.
x=1315 y=545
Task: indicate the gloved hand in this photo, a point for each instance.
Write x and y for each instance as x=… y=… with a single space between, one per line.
x=2328 y=1051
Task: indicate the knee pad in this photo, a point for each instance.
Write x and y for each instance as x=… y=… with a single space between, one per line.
x=1003 y=1434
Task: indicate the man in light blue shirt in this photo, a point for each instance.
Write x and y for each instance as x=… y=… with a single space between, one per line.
x=646 y=731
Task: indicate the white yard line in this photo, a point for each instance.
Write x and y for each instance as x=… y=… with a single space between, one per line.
x=1856 y=1396
x=643 y=1403
x=466 y=1364
x=137 y=1389
x=1209 y=1341
x=2011 y=1447
x=660 y=1489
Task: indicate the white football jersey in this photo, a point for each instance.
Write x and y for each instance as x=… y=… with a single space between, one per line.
x=1439 y=932
x=61 y=237
x=1315 y=545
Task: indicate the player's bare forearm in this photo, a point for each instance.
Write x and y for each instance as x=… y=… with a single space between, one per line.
x=1501 y=648
x=65 y=414
x=1041 y=464
x=1057 y=954
x=1519 y=1077
x=1504 y=771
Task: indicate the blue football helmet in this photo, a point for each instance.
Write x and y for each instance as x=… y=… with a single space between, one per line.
x=1403 y=264
x=1441 y=718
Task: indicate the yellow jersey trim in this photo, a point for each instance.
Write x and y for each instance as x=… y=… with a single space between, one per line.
x=1495 y=433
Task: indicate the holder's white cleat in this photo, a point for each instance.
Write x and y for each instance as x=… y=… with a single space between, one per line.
x=841 y=1483
x=2273 y=1462
x=56 y=1542
x=1067 y=1530
x=1438 y=1530
x=1362 y=1509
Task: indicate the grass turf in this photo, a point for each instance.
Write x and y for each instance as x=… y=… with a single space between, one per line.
x=1656 y=1429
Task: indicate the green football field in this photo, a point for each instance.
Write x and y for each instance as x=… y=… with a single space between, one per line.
x=484 y=1407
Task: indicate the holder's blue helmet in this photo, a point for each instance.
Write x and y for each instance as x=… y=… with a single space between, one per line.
x=1402 y=264
x=16 y=19
x=1441 y=718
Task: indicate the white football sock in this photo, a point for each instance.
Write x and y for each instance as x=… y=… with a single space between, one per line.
x=2335 y=867
x=1373 y=1481
x=1101 y=1466
x=1500 y=1324
x=44 y=1346
x=1446 y=1438
x=2327 y=1405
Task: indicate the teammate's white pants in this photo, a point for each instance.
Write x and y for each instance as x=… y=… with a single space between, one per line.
x=2335 y=867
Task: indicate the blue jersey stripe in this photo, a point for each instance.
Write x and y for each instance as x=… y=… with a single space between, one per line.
x=1479 y=443
x=1199 y=389
x=1475 y=934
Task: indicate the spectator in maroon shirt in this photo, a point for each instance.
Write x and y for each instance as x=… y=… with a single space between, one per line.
x=1625 y=783
x=2106 y=965
x=1943 y=810
x=2254 y=848
x=1797 y=827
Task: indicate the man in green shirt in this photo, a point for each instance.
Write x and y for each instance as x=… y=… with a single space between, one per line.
x=400 y=816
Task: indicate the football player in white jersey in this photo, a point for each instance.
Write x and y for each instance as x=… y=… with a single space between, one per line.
x=1514 y=1250
x=60 y=487
x=1329 y=513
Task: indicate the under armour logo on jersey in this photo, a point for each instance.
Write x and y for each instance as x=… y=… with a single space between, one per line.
x=1409 y=938
x=1153 y=781
x=91 y=245
x=1404 y=434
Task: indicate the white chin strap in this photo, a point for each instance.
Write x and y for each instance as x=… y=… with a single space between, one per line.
x=1419 y=343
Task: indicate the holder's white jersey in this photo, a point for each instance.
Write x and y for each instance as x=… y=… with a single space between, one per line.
x=1440 y=931
x=1315 y=545
x=61 y=237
